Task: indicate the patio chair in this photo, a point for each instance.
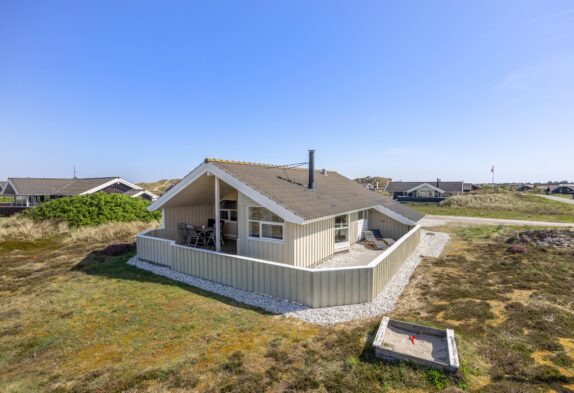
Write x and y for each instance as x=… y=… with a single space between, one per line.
x=193 y=236
x=372 y=240
x=182 y=235
x=211 y=224
x=390 y=241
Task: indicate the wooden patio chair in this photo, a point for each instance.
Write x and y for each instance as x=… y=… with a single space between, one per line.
x=372 y=240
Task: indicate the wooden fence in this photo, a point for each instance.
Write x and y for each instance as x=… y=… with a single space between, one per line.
x=311 y=287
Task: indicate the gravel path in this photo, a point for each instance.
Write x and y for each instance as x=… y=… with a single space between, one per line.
x=432 y=244
x=433 y=221
x=569 y=201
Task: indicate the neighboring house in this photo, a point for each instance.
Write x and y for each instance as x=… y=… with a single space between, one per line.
x=277 y=223
x=427 y=191
x=2 y=186
x=25 y=191
x=524 y=188
x=562 y=189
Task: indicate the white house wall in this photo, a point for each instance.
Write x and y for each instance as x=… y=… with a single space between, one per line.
x=196 y=215
x=388 y=226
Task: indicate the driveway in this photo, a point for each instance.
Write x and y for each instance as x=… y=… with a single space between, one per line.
x=433 y=221
x=570 y=201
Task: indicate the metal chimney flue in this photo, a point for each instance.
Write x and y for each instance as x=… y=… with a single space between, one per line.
x=311 y=184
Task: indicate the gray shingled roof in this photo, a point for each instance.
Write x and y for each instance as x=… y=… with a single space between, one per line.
x=404 y=186
x=332 y=194
x=64 y=187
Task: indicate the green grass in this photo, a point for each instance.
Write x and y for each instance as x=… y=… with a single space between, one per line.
x=75 y=320
x=517 y=206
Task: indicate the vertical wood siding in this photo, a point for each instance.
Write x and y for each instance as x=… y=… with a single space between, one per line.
x=192 y=215
x=386 y=268
x=311 y=287
x=313 y=242
x=388 y=226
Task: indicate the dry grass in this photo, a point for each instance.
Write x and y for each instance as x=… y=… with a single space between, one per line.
x=509 y=205
x=24 y=229
x=73 y=319
x=159 y=187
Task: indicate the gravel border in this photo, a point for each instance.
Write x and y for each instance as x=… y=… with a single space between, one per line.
x=431 y=244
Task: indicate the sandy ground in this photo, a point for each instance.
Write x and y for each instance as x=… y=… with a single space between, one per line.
x=358 y=255
x=570 y=201
x=426 y=346
x=433 y=221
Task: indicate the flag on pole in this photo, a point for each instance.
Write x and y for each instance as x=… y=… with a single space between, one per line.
x=492 y=169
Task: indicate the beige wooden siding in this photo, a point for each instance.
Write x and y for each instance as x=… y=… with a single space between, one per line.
x=313 y=242
x=353 y=229
x=193 y=215
x=388 y=226
x=155 y=248
x=270 y=250
x=393 y=260
x=314 y=288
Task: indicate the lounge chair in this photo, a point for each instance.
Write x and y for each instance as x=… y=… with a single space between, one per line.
x=379 y=236
x=372 y=240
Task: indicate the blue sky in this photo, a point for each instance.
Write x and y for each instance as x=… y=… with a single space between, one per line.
x=410 y=90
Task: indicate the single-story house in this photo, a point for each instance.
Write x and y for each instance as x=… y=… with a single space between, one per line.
x=524 y=187
x=272 y=224
x=562 y=189
x=27 y=191
x=427 y=191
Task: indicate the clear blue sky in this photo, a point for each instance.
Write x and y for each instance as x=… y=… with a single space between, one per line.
x=410 y=90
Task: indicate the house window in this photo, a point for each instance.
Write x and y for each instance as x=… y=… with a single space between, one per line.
x=264 y=224
x=228 y=210
x=362 y=215
x=341 y=229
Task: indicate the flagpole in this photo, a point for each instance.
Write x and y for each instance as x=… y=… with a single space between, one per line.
x=492 y=178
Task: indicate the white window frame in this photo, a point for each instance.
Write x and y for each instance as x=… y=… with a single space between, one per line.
x=228 y=219
x=347 y=243
x=261 y=238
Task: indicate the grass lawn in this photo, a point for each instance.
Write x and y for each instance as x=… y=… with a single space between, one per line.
x=73 y=319
x=511 y=206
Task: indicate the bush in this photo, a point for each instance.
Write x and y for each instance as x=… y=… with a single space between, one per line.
x=94 y=209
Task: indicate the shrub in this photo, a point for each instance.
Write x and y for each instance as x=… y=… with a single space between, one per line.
x=94 y=209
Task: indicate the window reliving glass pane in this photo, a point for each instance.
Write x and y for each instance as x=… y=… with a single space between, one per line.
x=341 y=221
x=224 y=214
x=341 y=235
x=233 y=215
x=254 y=229
x=262 y=214
x=272 y=231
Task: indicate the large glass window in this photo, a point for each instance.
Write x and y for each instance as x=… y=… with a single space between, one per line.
x=264 y=224
x=342 y=229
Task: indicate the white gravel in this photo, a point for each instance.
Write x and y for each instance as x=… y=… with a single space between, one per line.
x=432 y=244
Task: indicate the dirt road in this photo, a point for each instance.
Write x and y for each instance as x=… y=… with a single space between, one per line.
x=433 y=221
x=556 y=198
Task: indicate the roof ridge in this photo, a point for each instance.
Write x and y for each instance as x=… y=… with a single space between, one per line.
x=223 y=161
